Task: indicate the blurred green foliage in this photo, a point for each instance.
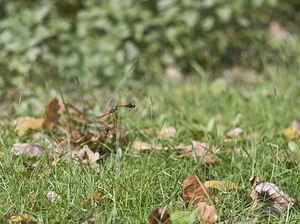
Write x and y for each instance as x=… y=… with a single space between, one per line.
x=97 y=38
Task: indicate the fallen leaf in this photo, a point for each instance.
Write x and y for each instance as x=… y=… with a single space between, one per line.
x=291 y=157
x=139 y=146
x=91 y=156
x=207 y=213
x=198 y=148
x=53 y=196
x=51 y=115
x=24 y=124
x=99 y=196
x=18 y=218
x=36 y=164
x=269 y=196
x=84 y=202
x=221 y=184
x=196 y=191
x=55 y=161
x=160 y=215
x=290 y=133
x=239 y=151
x=67 y=108
x=234 y=132
x=96 y=197
x=167 y=132
x=296 y=124
x=278 y=31
x=28 y=149
x=173 y=72
x=86 y=155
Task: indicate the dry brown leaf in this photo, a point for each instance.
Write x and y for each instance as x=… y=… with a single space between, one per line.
x=195 y=190
x=36 y=164
x=51 y=115
x=24 y=124
x=167 y=132
x=29 y=149
x=91 y=156
x=269 y=196
x=53 y=196
x=99 y=196
x=198 y=148
x=278 y=31
x=139 y=146
x=206 y=213
x=86 y=155
x=234 y=132
x=96 y=197
x=71 y=109
x=160 y=215
x=291 y=157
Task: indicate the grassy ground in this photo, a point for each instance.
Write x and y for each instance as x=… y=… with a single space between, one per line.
x=135 y=184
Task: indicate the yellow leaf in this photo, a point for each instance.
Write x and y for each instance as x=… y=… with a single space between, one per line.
x=221 y=184
x=84 y=202
x=24 y=124
x=98 y=197
x=55 y=161
x=290 y=133
x=18 y=218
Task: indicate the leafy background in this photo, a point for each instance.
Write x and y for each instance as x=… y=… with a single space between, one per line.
x=101 y=39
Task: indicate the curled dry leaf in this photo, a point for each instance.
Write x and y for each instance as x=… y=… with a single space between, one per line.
x=206 y=213
x=53 y=196
x=167 y=132
x=29 y=149
x=24 y=124
x=196 y=191
x=272 y=196
x=51 y=115
x=235 y=132
x=160 y=215
x=63 y=108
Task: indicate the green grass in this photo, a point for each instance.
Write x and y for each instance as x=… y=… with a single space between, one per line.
x=137 y=184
